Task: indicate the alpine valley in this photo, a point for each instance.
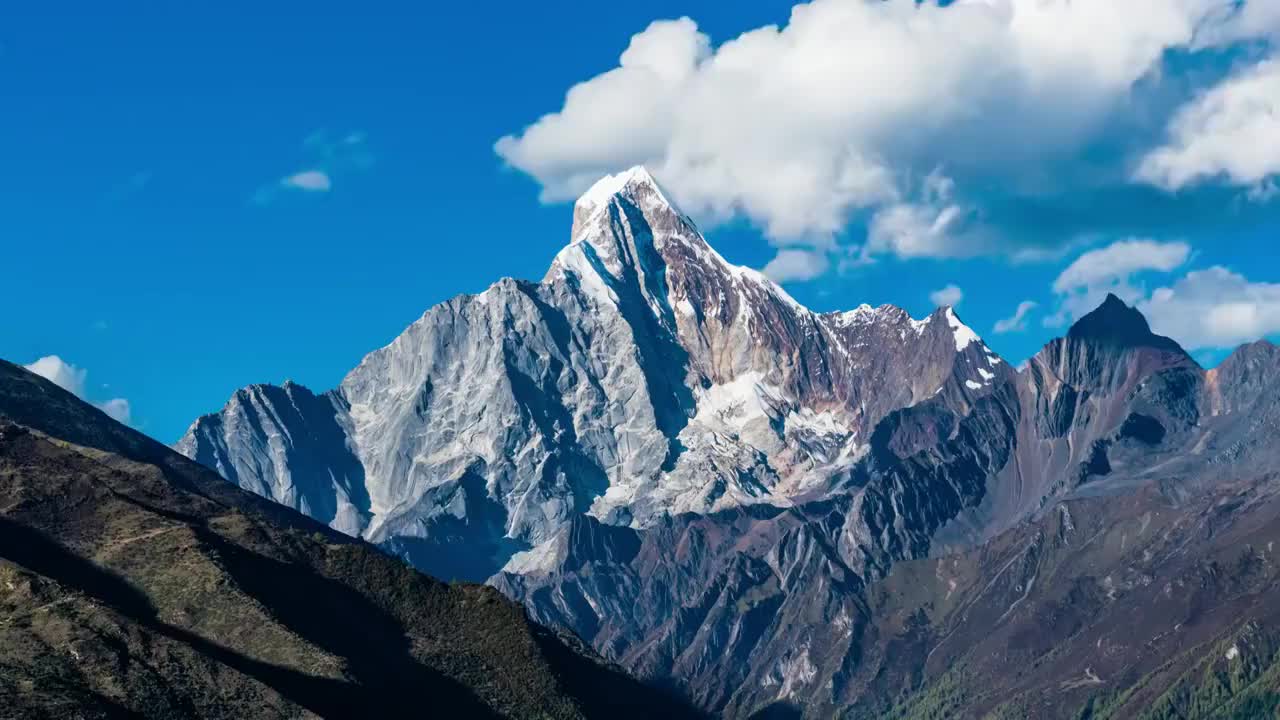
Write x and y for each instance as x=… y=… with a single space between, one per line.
x=771 y=511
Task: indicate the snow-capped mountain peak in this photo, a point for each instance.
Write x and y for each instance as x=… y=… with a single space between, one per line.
x=610 y=185
x=644 y=376
x=963 y=333
x=652 y=422
x=635 y=185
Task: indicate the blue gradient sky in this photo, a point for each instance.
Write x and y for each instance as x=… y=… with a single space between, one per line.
x=149 y=239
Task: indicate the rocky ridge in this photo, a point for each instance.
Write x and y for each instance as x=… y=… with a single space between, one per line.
x=645 y=376
x=136 y=583
x=716 y=487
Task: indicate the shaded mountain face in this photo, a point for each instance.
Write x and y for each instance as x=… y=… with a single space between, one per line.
x=1097 y=533
x=734 y=496
x=135 y=583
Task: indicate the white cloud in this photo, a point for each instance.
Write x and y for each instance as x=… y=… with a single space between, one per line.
x=60 y=373
x=309 y=181
x=1228 y=132
x=801 y=128
x=116 y=408
x=621 y=118
x=1119 y=261
x=792 y=264
x=72 y=379
x=949 y=295
x=328 y=160
x=1214 y=308
x=1210 y=308
x=1018 y=321
x=1254 y=20
x=932 y=225
x=1084 y=284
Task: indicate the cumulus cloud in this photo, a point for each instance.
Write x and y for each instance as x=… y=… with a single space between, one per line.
x=72 y=379
x=117 y=409
x=1253 y=20
x=1018 y=321
x=797 y=265
x=806 y=130
x=1120 y=260
x=1228 y=132
x=60 y=373
x=932 y=225
x=1084 y=283
x=949 y=295
x=618 y=119
x=1214 y=308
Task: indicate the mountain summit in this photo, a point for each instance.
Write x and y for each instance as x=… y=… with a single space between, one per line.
x=644 y=376
x=768 y=508
x=634 y=185
x=1115 y=323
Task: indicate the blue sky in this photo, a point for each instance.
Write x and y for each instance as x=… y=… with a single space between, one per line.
x=203 y=195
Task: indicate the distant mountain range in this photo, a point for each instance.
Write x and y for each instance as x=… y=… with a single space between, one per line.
x=772 y=510
x=136 y=583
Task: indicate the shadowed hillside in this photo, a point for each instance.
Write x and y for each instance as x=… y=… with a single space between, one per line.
x=135 y=583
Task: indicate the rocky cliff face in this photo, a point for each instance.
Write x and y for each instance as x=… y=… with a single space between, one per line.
x=643 y=377
x=824 y=605
x=716 y=487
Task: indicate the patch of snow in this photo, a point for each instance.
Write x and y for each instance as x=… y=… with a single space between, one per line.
x=606 y=187
x=734 y=404
x=575 y=260
x=537 y=559
x=963 y=334
x=973 y=385
x=862 y=314
x=1233 y=652
x=796 y=671
x=986 y=374
x=823 y=423
x=1067 y=522
x=850 y=454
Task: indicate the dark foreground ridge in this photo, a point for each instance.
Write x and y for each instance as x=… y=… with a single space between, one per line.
x=135 y=583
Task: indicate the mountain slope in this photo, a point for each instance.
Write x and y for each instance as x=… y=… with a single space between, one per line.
x=644 y=376
x=134 y=582
x=1057 y=527
x=716 y=487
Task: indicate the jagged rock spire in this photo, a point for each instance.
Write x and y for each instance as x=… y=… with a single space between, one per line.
x=1117 y=324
